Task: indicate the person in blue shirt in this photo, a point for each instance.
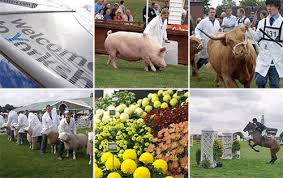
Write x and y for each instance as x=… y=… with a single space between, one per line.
x=229 y=22
x=98 y=5
x=107 y=15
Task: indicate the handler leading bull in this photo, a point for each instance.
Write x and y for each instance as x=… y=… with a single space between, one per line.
x=269 y=64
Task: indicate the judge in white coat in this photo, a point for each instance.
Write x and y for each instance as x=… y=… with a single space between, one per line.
x=34 y=129
x=67 y=125
x=12 y=120
x=211 y=26
x=20 y=126
x=269 y=62
x=157 y=27
x=48 y=125
x=1 y=121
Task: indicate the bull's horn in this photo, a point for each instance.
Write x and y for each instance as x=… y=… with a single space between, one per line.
x=220 y=37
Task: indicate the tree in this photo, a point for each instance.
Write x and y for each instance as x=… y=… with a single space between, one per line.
x=255 y=3
x=220 y=9
x=206 y=5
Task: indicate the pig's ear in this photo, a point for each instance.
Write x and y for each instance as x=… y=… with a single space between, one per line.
x=163 y=50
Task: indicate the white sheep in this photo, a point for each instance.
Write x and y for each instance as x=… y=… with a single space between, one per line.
x=73 y=142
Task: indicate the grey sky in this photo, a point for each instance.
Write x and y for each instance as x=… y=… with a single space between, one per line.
x=22 y=97
x=231 y=110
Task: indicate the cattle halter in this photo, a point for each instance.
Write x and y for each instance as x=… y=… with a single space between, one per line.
x=245 y=42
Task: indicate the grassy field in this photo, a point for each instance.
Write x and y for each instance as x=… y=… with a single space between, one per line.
x=133 y=75
x=21 y=162
x=207 y=76
x=136 y=7
x=250 y=165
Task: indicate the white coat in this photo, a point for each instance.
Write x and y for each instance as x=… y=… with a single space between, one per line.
x=157 y=29
x=34 y=126
x=210 y=28
x=12 y=119
x=55 y=117
x=268 y=51
x=67 y=128
x=48 y=124
x=1 y=121
x=22 y=123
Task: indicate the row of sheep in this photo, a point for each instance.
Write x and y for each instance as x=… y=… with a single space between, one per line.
x=59 y=134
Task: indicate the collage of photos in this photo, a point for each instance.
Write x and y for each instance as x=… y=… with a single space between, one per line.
x=141 y=88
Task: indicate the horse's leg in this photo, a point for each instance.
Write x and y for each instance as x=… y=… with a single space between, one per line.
x=252 y=146
x=273 y=155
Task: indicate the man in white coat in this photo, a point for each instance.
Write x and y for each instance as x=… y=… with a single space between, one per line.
x=12 y=120
x=34 y=129
x=211 y=26
x=157 y=27
x=269 y=62
x=67 y=125
x=20 y=126
x=1 y=121
x=48 y=125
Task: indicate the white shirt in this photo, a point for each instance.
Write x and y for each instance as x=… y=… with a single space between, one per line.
x=22 y=123
x=99 y=16
x=241 y=21
x=34 y=128
x=210 y=28
x=48 y=124
x=157 y=29
x=55 y=117
x=268 y=51
x=67 y=127
x=230 y=22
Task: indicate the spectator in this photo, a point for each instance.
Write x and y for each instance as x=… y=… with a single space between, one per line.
x=118 y=16
x=251 y=17
x=184 y=19
x=263 y=14
x=166 y=4
x=105 y=2
x=122 y=7
x=99 y=15
x=113 y=11
x=151 y=13
x=108 y=6
x=156 y=9
x=242 y=19
x=229 y=21
x=107 y=15
x=191 y=27
x=99 y=5
x=128 y=16
x=222 y=16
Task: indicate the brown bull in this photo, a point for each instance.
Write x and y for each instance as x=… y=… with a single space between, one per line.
x=232 y=57
x=195 y=47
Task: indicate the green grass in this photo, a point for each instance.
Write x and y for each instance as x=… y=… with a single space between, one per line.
x=207 y=76
x=250 y=165
x=136 y=7
x=133 y=75
x=18 y=161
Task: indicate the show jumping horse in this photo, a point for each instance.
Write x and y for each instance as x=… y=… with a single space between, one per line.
x=263 y=141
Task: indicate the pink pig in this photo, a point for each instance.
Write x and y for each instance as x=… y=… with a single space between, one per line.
x=133 y=46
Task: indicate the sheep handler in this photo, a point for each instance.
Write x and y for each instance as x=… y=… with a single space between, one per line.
x=67 y=125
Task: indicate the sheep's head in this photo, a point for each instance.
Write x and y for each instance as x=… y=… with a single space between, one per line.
x=64 y=136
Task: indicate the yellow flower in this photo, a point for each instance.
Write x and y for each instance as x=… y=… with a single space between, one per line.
x=146 y=158
x=114 y=175
x=109 y=163
x=160 y=164
x=98 y=172
x=105 y=156
x=142 y=172
x=169 y=177
x=130 y=154
x=128 y=166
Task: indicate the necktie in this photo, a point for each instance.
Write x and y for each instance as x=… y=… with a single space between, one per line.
x=271 y=20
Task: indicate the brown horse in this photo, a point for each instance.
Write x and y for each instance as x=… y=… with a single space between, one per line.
x=263 y=141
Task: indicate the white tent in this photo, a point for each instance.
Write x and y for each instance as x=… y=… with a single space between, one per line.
x=51 y=42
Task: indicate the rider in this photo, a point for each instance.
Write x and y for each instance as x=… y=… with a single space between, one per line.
x=259 y=126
